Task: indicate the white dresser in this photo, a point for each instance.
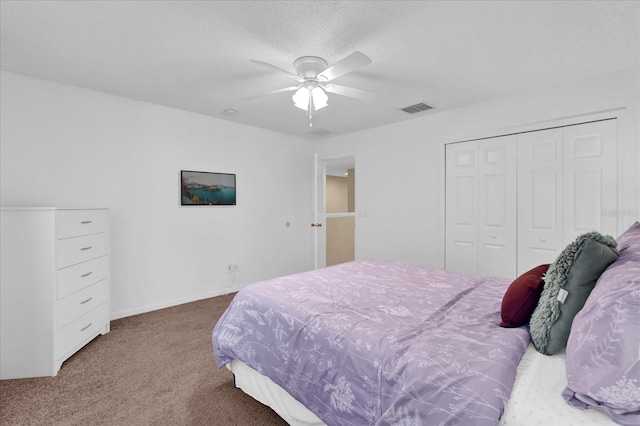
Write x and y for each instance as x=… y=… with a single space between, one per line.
x=54 y=286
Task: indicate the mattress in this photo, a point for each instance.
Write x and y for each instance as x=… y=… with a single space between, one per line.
x=536 y=396
x=535 y=399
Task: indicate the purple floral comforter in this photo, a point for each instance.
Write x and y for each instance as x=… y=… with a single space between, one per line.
x=379 y=342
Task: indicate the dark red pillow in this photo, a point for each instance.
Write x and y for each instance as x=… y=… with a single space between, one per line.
x=521 y=298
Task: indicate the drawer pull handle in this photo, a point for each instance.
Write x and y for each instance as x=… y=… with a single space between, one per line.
x=86 y=248
x=86 y=301
x=86 y=222
x=86 y=275
x=86 y=326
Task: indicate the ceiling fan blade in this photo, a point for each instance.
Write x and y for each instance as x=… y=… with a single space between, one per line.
x=352 y=92
x=350 y=63
x=273 y=92
x=273 y=67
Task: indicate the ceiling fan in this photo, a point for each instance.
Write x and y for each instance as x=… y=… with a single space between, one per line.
x=314 y=77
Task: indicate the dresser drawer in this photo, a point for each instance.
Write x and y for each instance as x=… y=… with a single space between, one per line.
x=81 y=302
x=71 y=336
x=76 y=250
x=74 y=223
x=77 y=277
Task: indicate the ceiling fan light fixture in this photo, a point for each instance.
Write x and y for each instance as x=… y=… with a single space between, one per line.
x=303 y=95
x=320 y=98
x=301 y=98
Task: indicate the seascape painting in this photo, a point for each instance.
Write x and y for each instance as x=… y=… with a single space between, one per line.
x=207 y=189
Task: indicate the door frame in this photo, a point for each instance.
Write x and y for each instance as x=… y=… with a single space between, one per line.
x=320 y=205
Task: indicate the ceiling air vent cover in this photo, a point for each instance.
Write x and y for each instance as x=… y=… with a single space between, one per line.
x=321 y=132
x=414 y=109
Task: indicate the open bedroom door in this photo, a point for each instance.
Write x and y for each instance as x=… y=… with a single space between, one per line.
x=320 y=213
x=334 y=225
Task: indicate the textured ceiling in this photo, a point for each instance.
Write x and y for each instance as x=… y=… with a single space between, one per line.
x=195 y=55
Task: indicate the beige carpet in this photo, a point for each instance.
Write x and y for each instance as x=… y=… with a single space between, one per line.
x=151 y=369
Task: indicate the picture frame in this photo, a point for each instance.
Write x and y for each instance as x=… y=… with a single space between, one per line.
x=207 y=188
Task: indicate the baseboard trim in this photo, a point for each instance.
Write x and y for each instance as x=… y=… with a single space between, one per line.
x=155 y=306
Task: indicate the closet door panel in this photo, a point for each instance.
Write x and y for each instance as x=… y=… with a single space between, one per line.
x=520 y=199
x=590 y=183
x=540 y=200
x=461 y=206
x=497 y=207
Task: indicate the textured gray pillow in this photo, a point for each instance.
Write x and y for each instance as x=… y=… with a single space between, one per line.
x=573 y=275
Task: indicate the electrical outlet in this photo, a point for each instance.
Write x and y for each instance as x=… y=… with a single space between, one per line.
x=232 y=267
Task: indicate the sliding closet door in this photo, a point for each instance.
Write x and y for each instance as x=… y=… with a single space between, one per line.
x=497 y=207
x=540 y=200
x=461 y=253
x=590 y=178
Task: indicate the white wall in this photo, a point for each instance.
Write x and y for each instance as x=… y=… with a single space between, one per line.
x=400 y=185
x=66 y=146
x=62 y=145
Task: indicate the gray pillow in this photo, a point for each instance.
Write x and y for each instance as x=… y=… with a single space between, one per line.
x=568 y=283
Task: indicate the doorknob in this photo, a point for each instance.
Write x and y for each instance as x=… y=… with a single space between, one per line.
x=319 y=225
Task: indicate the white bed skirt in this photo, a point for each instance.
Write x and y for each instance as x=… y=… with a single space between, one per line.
x=535 y=399
x=264 y=390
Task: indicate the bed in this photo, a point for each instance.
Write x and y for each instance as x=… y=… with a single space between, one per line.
x=376 y=342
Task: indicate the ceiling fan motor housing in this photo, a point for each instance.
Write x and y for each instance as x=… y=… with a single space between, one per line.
x=308 y=67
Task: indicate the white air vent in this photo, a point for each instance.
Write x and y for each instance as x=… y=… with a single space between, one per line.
x=414 y=109
x=321 y=132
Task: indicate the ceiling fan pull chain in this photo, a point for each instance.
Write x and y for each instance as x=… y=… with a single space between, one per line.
x=310 y=109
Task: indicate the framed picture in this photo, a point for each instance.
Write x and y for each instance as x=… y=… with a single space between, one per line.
x=207 y=189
